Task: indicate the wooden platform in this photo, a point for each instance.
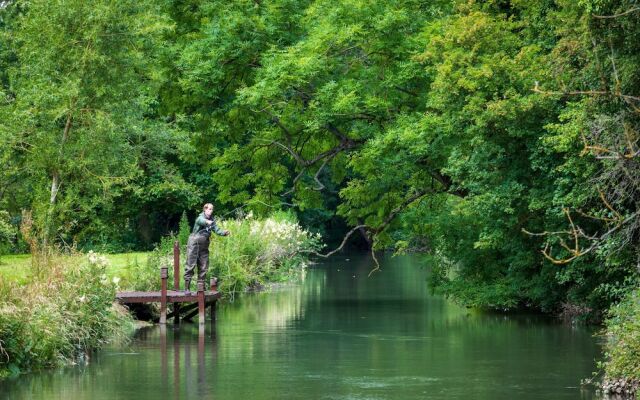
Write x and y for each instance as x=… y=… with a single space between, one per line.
x=173 y=296
x=196 y=301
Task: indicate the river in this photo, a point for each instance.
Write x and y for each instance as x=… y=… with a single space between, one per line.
x=337 y=335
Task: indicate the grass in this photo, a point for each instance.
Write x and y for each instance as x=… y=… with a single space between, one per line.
x=63 y=311
x=15 y=268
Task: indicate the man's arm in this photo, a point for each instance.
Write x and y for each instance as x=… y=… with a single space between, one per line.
x=217 y=230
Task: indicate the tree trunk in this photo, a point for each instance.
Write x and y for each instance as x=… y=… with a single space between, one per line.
x=55 y=184
x=365 y=236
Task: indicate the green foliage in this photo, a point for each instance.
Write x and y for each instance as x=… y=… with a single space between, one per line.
x=259 y=252
x=390 y=101
x=61 y=319
x=622 y=347
x=453 y=127
x=81 y=139
x=184 y=230
x=7 y=232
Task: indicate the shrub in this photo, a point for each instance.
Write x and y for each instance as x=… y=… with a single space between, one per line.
x=60 y=319
x=7 y=232
x=622 y=348
x=260 y=251
x=257 y=252
x=184 y=230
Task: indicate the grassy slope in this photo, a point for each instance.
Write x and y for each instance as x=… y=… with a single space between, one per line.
x=16 y=267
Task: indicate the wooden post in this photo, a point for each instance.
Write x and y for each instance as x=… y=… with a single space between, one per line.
x=202 y=375
x=213 y=286
x=164 y=273
x=176 y=279
x=176 y=265
x=200 y=301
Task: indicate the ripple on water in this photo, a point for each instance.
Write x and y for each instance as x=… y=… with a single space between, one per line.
x=376 y=382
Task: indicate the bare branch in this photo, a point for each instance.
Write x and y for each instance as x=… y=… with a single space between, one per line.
x=344 y=242
x=626 y=97
x=399 y=209
x=606 y=203
x=629 y=11
x=345 y=143
x=295 y=180
x=316 y=177
x=576 y=234
x=375 y=260
x=375 y=231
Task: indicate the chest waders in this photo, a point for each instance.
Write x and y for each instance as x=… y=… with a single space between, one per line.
x=197 y=254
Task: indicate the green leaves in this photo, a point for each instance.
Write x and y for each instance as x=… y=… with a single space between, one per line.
x=81 y=91
x=445 y=126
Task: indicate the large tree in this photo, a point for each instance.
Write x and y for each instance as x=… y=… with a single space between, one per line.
x=76 y=131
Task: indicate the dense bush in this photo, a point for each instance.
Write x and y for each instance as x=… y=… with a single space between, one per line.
x=60 y=319
x=259 y=251
x=623 y=339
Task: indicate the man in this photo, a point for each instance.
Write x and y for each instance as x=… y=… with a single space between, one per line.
x=198 y=246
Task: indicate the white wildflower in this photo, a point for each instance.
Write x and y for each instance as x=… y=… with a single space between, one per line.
x=102 y=261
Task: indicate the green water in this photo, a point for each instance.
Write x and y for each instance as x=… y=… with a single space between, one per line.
x=338 y=335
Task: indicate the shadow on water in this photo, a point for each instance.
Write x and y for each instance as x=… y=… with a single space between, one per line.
x=338 y=335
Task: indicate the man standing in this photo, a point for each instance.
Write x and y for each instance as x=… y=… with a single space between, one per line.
x=198 y=246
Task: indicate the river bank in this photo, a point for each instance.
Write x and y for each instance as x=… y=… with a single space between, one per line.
x=621 y=365
x=338 y=334
x=63 y=308
x=63 y=313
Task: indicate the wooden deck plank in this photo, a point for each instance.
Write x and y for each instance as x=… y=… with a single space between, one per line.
x=173 y=296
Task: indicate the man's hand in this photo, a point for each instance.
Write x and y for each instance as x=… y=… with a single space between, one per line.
x=227 y=233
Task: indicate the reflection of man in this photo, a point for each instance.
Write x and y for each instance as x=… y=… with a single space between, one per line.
x=198 y=245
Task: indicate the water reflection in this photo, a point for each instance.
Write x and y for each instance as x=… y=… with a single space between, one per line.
x=338 y=335
x=177 y=357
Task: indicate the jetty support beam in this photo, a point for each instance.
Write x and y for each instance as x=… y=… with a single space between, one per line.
x=200 y=301
x=213 y=286
x=163 y=295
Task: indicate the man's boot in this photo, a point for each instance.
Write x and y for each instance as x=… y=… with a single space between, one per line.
x=187 y=289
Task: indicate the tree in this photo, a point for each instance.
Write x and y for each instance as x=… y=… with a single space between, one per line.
x=75 y=111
